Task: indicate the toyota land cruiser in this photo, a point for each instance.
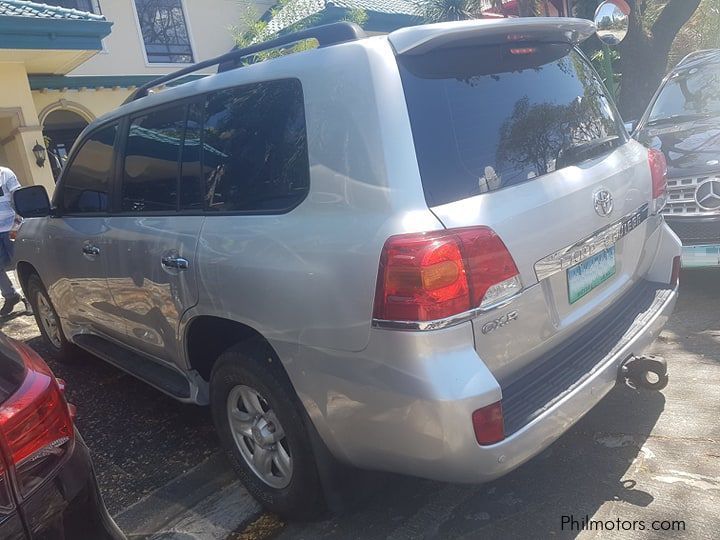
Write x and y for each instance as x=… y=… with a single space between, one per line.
x=429 y=252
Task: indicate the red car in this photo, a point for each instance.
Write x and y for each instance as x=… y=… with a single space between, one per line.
x=48 y=488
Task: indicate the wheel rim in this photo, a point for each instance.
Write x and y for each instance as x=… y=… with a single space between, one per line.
x=49 y=321
x=259 y=436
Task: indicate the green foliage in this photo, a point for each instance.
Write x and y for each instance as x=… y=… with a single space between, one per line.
x=432 y=11
x=357 y=16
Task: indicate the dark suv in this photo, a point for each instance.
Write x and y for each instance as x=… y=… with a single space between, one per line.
x=683 y=120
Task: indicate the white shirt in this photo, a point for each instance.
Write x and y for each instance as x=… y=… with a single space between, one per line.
x=8 y=184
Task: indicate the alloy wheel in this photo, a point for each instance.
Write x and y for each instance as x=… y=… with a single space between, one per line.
x=259 y=436
x=49 y=321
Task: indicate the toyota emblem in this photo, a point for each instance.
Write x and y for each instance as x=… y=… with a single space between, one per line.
x=603 y=202
x=707 y=194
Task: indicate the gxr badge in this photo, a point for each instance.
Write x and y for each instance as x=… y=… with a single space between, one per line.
x=499 y=322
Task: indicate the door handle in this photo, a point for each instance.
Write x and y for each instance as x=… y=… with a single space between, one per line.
x=89 y=249
x=173 y=261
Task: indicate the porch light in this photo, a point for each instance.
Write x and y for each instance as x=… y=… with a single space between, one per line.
x=39 y=152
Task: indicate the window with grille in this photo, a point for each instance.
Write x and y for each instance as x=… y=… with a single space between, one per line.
x=164 y=31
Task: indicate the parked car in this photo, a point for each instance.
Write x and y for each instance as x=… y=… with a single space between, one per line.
x=683 y=121
x=47 y=484
x=429 y=252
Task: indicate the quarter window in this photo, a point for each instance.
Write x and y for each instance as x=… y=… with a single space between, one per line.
x=255 y=148
x=164 y=31
x=86 y=184
x=150 y=178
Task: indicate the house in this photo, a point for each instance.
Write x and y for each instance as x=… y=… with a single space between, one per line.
x=67 y=62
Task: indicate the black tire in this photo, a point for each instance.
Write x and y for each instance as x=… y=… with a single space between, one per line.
x=256 y=367
x=63 y=351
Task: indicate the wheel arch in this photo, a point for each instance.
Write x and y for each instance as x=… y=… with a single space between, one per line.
x=24 y=270
x=208 y=336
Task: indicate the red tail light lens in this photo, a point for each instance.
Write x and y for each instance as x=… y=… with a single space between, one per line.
x=429 y=276
x=35 y=423
x=658 y=170
x=488 y=424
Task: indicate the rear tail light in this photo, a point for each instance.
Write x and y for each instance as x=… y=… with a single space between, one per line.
x=675 y=276
x=488 y=424
x=429 y=276
x=35 y=423
x=658 y=170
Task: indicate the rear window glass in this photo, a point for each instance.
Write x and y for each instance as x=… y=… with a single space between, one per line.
x=485 y=118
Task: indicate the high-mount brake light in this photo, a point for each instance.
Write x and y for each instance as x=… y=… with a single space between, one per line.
x=430 y=276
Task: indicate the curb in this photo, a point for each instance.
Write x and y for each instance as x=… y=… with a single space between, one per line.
x=206 y=503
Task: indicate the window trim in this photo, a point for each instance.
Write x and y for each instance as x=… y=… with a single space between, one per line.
x=57 y=194
x=200 y=98
x=191 y=41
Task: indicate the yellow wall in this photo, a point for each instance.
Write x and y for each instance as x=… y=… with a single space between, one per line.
x=88 y=103
x=20 y=127
x=208 y=21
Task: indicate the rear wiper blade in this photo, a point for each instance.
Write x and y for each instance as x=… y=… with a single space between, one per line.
x=678 y=118
x=587 y=150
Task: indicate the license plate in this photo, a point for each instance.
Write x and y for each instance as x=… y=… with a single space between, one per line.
x=585 y=276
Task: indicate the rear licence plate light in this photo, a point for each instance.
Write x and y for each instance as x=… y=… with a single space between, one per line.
x=35 y=423
x=430 y=276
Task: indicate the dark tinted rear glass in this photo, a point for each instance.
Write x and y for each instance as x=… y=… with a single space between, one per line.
x=485 y=118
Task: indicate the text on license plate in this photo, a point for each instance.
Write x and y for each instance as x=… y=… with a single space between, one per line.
x=585 y=276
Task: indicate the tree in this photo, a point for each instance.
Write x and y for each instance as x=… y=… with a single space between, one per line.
x=644 y=53
x=432 y=11
x=529 y=8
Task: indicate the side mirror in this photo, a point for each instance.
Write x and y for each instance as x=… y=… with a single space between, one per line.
x=31 y=201
x=612 y=19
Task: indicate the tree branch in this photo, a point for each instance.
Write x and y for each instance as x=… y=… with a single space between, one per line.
x=672 y=18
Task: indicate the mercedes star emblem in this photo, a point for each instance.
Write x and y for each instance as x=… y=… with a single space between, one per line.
x=707 y=194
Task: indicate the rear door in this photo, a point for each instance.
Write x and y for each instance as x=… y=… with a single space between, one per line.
x=526 y=141
x=155 y=227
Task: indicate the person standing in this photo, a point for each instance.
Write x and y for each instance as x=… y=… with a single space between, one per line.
x=8 y=184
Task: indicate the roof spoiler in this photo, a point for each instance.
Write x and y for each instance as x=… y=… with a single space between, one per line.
x=422 y=39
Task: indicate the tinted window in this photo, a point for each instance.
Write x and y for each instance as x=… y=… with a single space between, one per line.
x=150 y=180
x=255 y=148
x=86 y=184
x=483 y=118
x=191 y=183
x=695 y=91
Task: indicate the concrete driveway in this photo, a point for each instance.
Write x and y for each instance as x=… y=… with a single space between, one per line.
x=639 y=458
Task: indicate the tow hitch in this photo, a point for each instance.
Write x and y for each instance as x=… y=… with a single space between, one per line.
x=648 y=372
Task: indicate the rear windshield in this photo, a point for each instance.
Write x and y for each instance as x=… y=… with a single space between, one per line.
x=12 y=369
x=485 y=118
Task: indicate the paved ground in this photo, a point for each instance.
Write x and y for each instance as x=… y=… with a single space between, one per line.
x=637 y=456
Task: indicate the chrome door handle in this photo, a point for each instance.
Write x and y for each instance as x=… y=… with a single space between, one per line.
x=89 y=249
x=173 y=261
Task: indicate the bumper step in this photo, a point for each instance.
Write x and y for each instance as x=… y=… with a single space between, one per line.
x=563 y=368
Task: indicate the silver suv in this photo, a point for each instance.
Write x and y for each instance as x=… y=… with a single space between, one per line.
x=429 y=252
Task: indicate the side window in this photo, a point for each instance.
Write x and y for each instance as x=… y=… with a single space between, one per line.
x=191 y=186
x=86 y=184
x=150 y=168
x=255 y=148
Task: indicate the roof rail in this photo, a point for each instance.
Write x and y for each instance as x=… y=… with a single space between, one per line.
x=326 y=35
x=695 y=55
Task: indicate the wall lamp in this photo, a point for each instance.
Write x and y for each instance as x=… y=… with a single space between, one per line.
x=39 y=153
